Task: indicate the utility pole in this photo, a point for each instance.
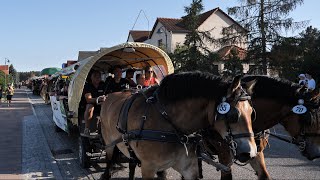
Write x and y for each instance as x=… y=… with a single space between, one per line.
x=6 y=60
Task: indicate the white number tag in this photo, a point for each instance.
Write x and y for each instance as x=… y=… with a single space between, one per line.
x=299 y=109
x=223 y=108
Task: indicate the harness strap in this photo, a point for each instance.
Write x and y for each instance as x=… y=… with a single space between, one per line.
x=151 y=135
x=236 y=136
x=258 y=136
x=182 y=136
x=123 y=114
x=281 y=138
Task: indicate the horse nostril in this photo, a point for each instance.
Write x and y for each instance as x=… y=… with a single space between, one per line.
x=244 y=157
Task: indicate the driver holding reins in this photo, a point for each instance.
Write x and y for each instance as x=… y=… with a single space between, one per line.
x=92 y=90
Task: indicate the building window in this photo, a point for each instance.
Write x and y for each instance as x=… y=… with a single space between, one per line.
x=160 y=43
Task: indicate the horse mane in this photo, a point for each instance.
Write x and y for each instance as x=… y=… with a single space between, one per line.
x=188 y=85
x=274 y=88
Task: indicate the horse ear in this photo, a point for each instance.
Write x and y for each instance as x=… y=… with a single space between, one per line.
x=249 y=86
x=236 y=83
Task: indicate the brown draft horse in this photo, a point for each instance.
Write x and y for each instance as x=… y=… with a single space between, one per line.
x=188 y=104
x=273 y=100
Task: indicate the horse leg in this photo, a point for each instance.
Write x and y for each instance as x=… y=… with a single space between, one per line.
x=147 y=171
x=162 y=175
x=200 y=168
x=225 y=159
x=199 y=163
x=188 y=167
x=109 y=159
x=258 y=164
x=132 y=169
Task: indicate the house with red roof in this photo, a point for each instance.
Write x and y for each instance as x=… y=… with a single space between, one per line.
x=5 y=69
x=167 y=33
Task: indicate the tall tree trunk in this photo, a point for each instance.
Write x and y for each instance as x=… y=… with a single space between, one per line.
x=263 y=38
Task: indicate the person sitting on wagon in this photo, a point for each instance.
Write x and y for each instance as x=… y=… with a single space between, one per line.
x=117 y=83
x=302 y=79
x=140 y=78
x=149 y=77
x=92 y=90
x=129 y=76
x=310 y=82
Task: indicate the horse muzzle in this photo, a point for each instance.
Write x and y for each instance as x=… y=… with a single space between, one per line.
x=245 y=150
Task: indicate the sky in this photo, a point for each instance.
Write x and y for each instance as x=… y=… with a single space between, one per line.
x=36 y=34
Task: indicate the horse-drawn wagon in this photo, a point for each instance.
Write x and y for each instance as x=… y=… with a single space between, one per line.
x=68 y=110
x=57 y=87
x=168 y=139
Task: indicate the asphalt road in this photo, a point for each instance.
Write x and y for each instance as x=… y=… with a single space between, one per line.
x=283 y=159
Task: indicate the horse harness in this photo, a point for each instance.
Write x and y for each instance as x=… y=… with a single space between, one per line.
x=233 y=116
x=300 y=142
x=150 y=135
x=177 y=136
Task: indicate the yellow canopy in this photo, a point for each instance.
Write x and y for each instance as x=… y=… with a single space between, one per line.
x=138 y=55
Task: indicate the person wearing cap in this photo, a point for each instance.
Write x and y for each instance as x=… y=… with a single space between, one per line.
x=302 y=79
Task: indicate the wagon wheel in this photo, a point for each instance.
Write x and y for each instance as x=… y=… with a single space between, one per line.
x=83 y=148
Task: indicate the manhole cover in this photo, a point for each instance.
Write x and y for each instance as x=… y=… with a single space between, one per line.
x=61 y=151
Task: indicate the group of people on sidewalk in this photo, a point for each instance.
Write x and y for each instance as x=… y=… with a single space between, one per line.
x=9 y=93
x=96 y=88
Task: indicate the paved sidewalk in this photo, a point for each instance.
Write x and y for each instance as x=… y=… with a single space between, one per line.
x=11 y=135
x=24 y=152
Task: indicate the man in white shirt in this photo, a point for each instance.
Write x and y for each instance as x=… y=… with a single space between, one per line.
x=311 y=83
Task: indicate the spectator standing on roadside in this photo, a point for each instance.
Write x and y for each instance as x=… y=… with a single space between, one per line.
x=9 y=92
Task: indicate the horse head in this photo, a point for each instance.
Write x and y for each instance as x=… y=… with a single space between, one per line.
x=233 y=121
x=281 y=101
x=305 y=126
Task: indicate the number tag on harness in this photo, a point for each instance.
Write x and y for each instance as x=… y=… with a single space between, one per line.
x=299 y=109
x=223 y=108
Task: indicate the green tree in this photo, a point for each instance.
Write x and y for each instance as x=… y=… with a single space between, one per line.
x=2 y=79
x=23 y=76
x=286 y=55
x=310 y=44
x=297 y=55
x=265 y=20
x=233 y=66
x=12 y=74
x=193 y=55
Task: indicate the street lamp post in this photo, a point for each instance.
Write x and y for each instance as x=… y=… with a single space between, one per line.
x=161 y=30
x=6 y=60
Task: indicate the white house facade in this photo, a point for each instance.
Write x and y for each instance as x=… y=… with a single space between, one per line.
x=167 y=33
